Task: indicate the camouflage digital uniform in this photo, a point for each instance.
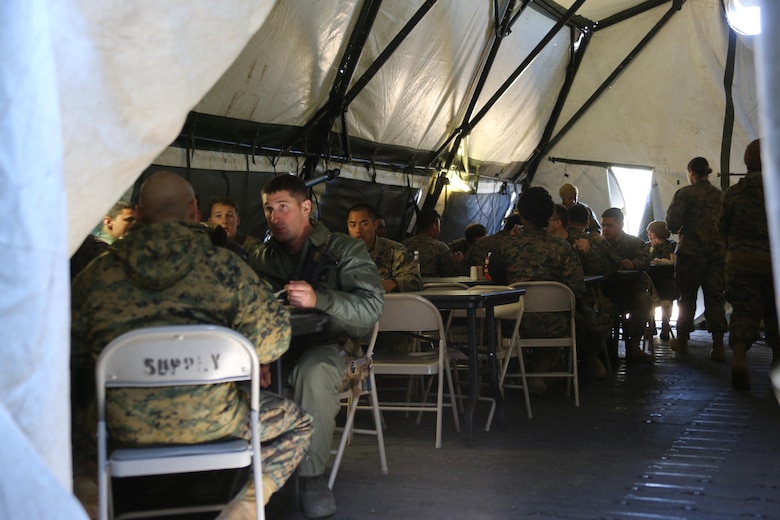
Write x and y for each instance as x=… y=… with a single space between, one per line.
x=436 y=259
x=535 y=255
x=395 y=262
x=634 y=299
x=600 y=260
x=483 y=246
x=350 y=292
x=693 y=214
x=171 y=274
x=749 y=281
x=594 y=227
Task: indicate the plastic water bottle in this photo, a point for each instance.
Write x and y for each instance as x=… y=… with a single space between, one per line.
x=417 y=260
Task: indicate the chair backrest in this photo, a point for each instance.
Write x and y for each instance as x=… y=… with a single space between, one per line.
x=409 y=312
x=547 y=296
x=176 y=356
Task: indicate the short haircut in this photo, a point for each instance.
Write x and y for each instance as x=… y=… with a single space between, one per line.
x=568 y=189
x=289 y=183
x=224 y=201
x=511 y=221
x=560 y=212
x=615 y=213
x=753 y=156
x=474 y=231
x=364 y=207
x=118 y=208
x=578 y=214
x=536 y=206
x=427 y=219
x=699 y=167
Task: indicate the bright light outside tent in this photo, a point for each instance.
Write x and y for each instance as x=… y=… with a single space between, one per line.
x=635 y=187
x=744 y=16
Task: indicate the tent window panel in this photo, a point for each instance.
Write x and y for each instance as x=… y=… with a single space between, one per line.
x=629 y=190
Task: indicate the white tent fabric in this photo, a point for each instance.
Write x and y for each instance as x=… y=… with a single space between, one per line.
x=666 y=107
x=90 y=93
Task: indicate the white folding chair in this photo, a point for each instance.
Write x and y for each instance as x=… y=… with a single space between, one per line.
x=544 y=297
x=133 y=360
x=351 y=400
x=404 y=312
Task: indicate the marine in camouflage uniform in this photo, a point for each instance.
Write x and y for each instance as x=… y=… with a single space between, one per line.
x=477 y=253
x=436 y=259
x=171 y=274
x=700 y=257
x=397 y=267
x=395 y=262
x=630 y=297
x=536 y=255
x=599 y=259
x=749 y=280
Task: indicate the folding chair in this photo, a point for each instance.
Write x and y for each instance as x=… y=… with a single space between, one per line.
x=413 y=313
x=350 y=398
x=544 y=297
x=187 y=353
x=650 y=292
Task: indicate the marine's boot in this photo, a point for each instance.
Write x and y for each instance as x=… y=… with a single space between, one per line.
x=718 y=352
x=740 y=379
x=679 y=344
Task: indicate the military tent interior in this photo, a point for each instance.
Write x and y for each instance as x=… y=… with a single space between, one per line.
x=451 y=104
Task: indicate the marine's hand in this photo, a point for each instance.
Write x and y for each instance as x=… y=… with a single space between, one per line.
x=301 y=294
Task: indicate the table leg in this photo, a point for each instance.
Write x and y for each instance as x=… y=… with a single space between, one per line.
x=498 y=396
x=468 y=412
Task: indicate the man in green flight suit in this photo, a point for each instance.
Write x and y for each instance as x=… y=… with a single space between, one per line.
x=331 y=273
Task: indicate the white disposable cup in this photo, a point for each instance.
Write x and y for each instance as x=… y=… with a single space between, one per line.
x=474 y=273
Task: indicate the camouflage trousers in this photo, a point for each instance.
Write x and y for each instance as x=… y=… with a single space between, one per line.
x=690 y=273
x=752 y=296
x=285 y=434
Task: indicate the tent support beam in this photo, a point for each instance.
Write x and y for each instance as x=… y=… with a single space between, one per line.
x=323 y=121
x=676 y=6
x=388 y=51
x=502 y=29
x=728 y=117
x=556 y=12
x=503 y=24
x=467 y=126
x=571 y=73
x=360 y=84
x=598 y=164
x=629 y=13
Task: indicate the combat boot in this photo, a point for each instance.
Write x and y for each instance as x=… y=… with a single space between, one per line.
x=718 y=352
x=740 y=378
x=679 y=345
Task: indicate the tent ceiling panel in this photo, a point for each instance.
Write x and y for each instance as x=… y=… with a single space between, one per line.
x=417 y=97
x=687 y=88
x=285 y=72
x=601 y=9
x=513 y=127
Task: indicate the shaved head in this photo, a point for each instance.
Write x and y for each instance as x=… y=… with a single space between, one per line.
x=167 y=197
